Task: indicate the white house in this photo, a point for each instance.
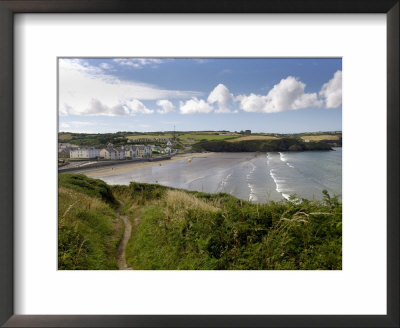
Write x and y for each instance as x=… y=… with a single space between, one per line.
x=84 y=153
x=169 y=143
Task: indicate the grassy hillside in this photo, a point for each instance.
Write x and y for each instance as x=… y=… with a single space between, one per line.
x=178 y=229
x=262 y=145
x=253 y=137
x=89 y=229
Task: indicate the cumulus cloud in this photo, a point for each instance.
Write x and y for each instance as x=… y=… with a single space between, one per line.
x=288 y=94
x=195 y=106
x=332 y=91
x=136 y=107
x=166 y=105
x=86 y=90
x=222 y=97
x=96 y=107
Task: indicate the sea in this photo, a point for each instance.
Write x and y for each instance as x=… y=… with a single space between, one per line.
x=257 y=177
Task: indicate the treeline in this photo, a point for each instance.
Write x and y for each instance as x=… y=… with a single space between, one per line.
x=283 y=144
x=100 y=139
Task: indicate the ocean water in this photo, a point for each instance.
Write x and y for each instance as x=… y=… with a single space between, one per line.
x=256 y=177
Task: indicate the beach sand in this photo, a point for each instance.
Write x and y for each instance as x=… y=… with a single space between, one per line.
x=122 y=168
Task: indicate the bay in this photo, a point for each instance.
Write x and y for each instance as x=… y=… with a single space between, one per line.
x=257 y=177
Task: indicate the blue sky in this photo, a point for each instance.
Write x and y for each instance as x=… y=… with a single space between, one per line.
x=154 y=94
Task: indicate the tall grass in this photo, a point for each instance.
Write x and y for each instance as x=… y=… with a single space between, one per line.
x=88 y=229
x=177 y=229
x=185 y=230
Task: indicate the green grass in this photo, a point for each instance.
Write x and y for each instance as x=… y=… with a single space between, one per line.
x=184 y=230
x=89 y=230
x=91 y=187
x=253 y=137
x=207 y=232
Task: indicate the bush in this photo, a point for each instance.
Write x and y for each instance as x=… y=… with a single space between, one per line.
x=231 y=234
x=88 y=186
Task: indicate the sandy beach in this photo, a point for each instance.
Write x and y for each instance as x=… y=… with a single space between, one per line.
x=119 y=169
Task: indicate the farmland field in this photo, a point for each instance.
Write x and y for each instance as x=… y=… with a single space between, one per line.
x=64 y=136
x=207 y=137
x=321 y=137
x=253 y=138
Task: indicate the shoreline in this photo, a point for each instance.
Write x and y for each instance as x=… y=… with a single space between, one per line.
x=123 y=167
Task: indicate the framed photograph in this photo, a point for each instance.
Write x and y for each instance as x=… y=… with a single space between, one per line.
x=214 y=164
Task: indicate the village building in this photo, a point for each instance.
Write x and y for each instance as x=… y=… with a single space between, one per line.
x=138 y=151
x=62 y=153
x=131 y=152
x=108 y=153
x=141 y=150
x=85 y=153
x=120 y=153
x=66 y=145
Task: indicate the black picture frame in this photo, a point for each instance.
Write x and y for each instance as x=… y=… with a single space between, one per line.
x=10 y=7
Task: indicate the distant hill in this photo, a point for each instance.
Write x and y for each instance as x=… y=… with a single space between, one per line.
x=282 y=144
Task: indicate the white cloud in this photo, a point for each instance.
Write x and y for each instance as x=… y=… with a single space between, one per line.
x=137 y=107
x=222 y=97
x=195 y=106
x=137 y=62
x=64 y=126
x=79 y=65
x=288 y=94
x=87 y=90
x=105 y=66
x=202 y=60
x=166 y=105
x=332 y=91
x=76 y=126
x=81 y=123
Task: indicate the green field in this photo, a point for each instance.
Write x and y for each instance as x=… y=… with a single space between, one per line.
x=253 y=137
x=207 y=137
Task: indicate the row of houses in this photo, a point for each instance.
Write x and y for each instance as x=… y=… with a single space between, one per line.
x=112 y=153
